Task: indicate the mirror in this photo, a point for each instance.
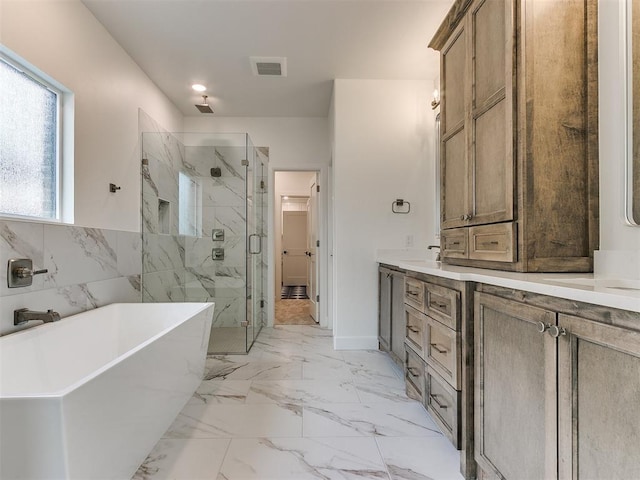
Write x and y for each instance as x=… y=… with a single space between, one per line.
x=633 y=120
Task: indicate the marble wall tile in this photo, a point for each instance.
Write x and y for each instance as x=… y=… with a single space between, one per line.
x=88 y=268
x=229 y=159
x=162 y=252
x=21 y=240
x=129 y=253
x=78 y=255
x=225 y=192
x=66 y=301
x=115 y=290
x=165 y=286
x=231 y=219
x=229 y=312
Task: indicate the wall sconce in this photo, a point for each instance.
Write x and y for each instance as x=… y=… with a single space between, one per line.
x=435 y=103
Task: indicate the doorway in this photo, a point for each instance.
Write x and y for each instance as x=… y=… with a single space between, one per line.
x=296 y=239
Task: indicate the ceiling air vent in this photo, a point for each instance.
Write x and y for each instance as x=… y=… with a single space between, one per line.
x=269 y=66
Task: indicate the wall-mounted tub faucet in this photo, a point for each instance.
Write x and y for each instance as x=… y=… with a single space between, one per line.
x=23 y=315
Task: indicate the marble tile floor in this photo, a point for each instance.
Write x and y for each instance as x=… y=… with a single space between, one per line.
x=294 y=408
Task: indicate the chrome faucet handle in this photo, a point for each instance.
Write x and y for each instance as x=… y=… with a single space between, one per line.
x=20 y=272
x=24 y=272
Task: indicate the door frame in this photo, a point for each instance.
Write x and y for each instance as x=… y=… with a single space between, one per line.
x=274 y=209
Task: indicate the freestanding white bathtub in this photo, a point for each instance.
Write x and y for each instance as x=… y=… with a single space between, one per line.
x=89 y=396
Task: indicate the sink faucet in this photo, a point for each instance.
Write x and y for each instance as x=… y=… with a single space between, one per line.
x=23 y=315
x=431 y=247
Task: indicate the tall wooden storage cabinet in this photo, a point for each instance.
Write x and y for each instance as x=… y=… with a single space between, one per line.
x=519 y=159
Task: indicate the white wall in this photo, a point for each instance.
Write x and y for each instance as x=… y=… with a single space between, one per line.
x=383 y=136
x=64 y=40
x=294 y=144
x=292 y=184
x=615 y=234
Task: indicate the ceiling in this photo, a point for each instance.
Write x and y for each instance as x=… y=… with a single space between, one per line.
x=181 y=42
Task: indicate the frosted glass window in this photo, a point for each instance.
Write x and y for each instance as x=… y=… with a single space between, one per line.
x=28 y=145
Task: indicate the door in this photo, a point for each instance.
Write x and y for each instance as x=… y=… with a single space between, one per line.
x=453 y=153
x=256 y=211
x=515 y=389
x=294 y=248
x=599 y=402
x=491 y=164
x=312 y=250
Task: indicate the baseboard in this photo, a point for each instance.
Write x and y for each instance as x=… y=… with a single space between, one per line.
x=355 y=343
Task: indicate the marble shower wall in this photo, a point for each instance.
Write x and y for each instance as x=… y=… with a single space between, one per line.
x=224 y=207
x=87 y=268
x=178 y=266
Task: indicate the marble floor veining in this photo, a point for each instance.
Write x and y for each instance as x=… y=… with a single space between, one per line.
x=296 y=409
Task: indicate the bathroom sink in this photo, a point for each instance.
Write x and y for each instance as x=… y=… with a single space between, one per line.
x=615 y=283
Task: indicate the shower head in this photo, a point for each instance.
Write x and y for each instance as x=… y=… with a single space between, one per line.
x=204 y=106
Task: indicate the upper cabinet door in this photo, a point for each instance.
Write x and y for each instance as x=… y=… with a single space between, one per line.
x=453 y=157
x=491 y=166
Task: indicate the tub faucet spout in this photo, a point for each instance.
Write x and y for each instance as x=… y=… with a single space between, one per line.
x=23 y=315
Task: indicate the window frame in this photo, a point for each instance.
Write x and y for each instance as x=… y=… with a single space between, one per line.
x=64 y=197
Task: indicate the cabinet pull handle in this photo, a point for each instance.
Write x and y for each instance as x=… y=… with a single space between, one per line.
x=556 y=332
x=439 y=305
x=489 y=244
x=413 y=329
x=413 y=369
x=412 y=293
x=455 y=243
x=542 y=327
x=435 y=400
x=439 y=348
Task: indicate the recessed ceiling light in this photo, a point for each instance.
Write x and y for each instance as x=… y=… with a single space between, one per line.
x=198 y=88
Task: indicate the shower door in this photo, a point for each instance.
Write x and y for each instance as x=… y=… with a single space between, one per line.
x=256 y=242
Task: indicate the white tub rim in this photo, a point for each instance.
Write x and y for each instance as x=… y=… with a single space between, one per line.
x=199 y=307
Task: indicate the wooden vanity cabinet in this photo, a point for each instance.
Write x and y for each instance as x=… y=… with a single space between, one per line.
x=391 y=315
x=519 y=147
x=439 y=356
x=564 y=372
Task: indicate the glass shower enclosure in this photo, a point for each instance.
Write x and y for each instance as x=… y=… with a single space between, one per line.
x=204 y=235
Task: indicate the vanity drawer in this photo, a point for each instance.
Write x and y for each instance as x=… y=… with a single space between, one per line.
x=442 y=351
x=414 y=293
x=442 y=402
x=443 y=304
x=453 y=243
x=414 y=375
x=496 y=243
x=415 y=329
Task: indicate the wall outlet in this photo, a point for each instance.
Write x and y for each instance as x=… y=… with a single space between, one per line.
x=408 y=242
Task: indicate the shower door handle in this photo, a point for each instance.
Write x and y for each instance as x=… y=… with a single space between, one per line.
x=259 y=250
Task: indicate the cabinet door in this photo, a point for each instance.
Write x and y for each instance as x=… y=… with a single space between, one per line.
x=515 y=390
x=453 y=151
x=599 y=403
x=384 y=308
x=490 y=172
x=398 y=319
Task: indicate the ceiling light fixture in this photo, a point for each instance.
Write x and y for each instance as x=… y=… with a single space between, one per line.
x=198 y=88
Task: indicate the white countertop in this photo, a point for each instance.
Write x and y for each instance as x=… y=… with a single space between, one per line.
x=583 y=287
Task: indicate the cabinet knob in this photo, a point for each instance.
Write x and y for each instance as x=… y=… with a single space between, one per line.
x=542 y=327
x=556 y=332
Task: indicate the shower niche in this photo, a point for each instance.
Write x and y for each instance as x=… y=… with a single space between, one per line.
x=183 y=203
